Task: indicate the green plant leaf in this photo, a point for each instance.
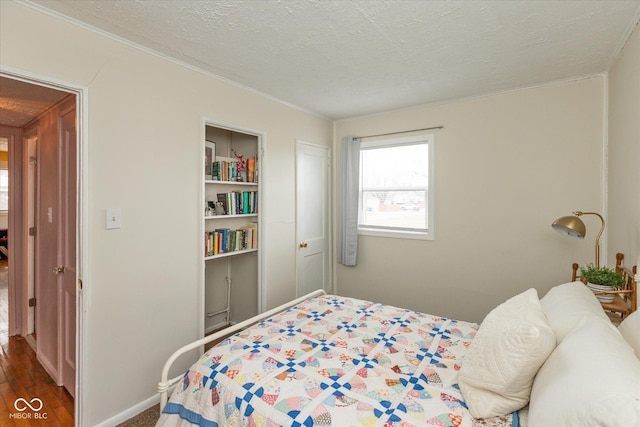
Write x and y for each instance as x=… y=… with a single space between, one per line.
x=601 y=276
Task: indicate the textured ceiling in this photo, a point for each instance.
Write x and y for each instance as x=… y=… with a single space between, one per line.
x=21 y=102
x=352 y=57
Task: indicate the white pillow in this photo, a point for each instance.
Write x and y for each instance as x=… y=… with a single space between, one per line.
x=509 y=347
x=592 y=378
x=568 y=306
x=630 y=330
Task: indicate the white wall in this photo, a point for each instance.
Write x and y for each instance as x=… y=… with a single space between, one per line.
x=506 y=166
x=624 y=152
x=145 y=119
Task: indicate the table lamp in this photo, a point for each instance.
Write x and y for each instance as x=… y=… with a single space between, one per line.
x=573 y=226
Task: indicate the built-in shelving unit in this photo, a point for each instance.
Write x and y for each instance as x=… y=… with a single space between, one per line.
x=231 y=224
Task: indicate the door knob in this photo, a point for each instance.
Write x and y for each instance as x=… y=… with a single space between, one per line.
x=58 y=270
x=303 y=245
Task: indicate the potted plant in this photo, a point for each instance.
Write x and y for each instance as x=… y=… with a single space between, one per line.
x=602 y=279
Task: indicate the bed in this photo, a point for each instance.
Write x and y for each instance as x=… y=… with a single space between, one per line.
x=327 y=360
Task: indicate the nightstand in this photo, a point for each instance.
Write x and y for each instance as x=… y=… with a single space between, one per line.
x=625 y=300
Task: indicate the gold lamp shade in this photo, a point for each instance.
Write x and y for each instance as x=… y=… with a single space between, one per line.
x=572 y=226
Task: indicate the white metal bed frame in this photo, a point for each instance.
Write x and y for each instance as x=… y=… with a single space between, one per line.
x=165 y=383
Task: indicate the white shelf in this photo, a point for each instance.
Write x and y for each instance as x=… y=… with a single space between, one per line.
x=250 y=184
x=228 y=254
x=229 y=216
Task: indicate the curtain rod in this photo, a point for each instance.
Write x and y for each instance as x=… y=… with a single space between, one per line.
x=402 y=131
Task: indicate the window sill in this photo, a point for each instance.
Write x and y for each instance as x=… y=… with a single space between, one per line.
x=396 y=234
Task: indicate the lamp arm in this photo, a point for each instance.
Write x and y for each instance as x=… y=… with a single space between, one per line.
x=579 y=213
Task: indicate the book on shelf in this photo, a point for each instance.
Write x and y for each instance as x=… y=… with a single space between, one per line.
x=224 y=169
x=251 y=169
x=239 y=202
x=215 y=171
x=234 y=170
x=224 y=240
x=252 y=234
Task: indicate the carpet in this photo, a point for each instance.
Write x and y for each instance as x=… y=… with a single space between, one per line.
x=147 y=418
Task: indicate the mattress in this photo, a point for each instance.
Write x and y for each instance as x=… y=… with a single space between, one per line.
x=332 y=361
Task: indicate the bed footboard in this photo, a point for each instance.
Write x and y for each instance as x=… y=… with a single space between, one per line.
x=165 y=383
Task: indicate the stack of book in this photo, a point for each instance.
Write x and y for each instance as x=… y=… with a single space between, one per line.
x=223 y=240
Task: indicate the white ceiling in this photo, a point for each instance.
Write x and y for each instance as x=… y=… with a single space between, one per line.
x=353 y=57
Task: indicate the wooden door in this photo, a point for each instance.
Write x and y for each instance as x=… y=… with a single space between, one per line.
x=312 y=199
x=67 y=249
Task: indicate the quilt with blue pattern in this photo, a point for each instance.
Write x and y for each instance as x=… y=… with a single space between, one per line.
x=332 y=361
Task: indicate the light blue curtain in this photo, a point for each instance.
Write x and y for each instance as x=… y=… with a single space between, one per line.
x=348 y=238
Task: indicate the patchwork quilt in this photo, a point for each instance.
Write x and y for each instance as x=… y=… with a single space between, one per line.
x=332 y=361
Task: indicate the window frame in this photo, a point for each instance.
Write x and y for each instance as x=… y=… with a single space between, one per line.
x=391 y=232
x=5 y=192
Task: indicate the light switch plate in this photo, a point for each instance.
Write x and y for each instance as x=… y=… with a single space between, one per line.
x=113 y=218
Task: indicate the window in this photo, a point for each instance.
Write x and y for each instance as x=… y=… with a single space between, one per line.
x=4 y=190
x=396 y=191
x=4 y=174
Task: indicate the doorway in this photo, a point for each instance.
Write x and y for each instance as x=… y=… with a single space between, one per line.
x=42 y=227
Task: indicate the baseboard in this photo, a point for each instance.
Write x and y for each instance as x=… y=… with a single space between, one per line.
x=53 y=373
x=131 y=412
x=142 y=406
x=32 y=342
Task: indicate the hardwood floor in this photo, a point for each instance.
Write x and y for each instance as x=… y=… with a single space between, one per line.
x=23 y=380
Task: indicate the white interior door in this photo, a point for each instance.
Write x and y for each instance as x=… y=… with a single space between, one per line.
x=312 y=215
x=55 y=255
x=67 y=249
x=46 y=256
